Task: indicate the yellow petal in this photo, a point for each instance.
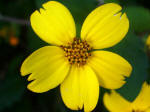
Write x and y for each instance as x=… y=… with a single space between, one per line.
x=110 y=68
x=148 y=110
x=142 y=101
x=116 y=103
x=47 y=68
x=80 y=89
x=105 y=26
x=53 y=23
x=148 y=41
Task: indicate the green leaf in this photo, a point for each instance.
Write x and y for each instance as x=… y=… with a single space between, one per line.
x=40 y=2
x=139 y=18
x=80 y=8
x=111 y=1
x=12 y=88
x=132 y=49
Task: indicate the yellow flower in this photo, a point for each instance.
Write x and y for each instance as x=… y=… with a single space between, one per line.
x=116 y=103
x=148 y=42
x=72 y=62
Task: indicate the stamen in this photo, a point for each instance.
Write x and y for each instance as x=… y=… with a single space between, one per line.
x=77 y=52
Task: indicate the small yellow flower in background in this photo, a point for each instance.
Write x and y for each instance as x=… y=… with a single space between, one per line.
x=148 y=42
x=116 y=103
x=71 y=62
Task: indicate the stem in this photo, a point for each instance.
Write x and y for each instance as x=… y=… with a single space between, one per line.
x=14 y=20
x=100 y=2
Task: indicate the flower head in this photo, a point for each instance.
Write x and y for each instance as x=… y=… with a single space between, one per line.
x=140 y=104
x=73 y=63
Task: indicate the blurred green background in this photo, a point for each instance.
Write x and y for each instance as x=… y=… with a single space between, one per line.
x=17 y=41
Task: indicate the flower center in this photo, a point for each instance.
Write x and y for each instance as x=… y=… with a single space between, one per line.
x=77 y=52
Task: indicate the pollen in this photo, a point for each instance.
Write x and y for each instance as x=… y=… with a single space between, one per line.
x=77 y=52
